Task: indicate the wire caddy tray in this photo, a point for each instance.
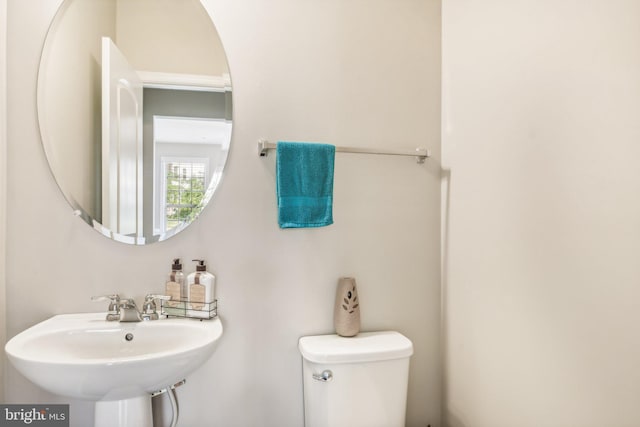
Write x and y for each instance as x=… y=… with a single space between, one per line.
x=190 y=309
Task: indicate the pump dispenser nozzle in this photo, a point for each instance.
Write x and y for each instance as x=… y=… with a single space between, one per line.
x=176 y=288
x=201 y=265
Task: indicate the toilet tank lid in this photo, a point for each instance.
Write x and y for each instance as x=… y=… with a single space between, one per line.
x=364 y=347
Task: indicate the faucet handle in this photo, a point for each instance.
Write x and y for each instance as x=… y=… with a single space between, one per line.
x=114 y=305
x=113 y=297
x=151 y=297
x=149 y=307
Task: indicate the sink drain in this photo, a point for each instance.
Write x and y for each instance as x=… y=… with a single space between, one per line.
x=128 y=337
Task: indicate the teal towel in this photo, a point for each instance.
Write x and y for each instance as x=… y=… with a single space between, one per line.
x=304 y=175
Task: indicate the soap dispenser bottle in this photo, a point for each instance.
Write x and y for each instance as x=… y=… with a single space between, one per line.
x=201 y=287
x=176 y=289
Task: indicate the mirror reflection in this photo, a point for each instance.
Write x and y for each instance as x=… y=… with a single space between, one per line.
x=134 y=104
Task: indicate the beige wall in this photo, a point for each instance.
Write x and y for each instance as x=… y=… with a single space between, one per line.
x=363 y=73
x=541 y=134
x=3 y=182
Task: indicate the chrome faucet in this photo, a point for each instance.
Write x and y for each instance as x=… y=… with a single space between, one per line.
x=129 y=311
x=126 y=310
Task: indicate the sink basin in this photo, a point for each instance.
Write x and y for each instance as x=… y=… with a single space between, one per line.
x=85 y=357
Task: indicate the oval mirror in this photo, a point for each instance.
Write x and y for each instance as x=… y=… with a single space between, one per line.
x=134 y=106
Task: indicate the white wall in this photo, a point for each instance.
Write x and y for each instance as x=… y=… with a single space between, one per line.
x=541 y=132
x=364 y=73
x=3 y=181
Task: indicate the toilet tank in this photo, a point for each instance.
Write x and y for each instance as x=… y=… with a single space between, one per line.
x=359 y=381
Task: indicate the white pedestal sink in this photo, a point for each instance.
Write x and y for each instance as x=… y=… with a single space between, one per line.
x=117 y=365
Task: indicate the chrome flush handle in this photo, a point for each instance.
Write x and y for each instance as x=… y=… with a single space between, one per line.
x=325 y=376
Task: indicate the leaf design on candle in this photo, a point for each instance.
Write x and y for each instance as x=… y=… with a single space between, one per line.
x=350 y=300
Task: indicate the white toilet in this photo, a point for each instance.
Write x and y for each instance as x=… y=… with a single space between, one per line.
x=355 y=382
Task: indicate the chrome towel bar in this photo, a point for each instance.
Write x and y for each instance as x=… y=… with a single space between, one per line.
x=419 y=153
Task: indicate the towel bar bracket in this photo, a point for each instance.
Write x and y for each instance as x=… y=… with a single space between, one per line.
x=421 y=154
